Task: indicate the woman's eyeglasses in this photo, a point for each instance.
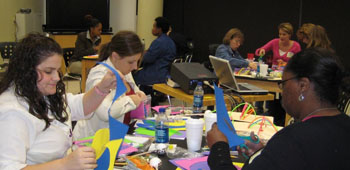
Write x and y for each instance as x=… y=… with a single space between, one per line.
x=281 y=83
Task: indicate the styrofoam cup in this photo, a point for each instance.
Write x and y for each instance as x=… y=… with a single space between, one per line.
x=263 y=69
x=209 y=118
x=194 y=133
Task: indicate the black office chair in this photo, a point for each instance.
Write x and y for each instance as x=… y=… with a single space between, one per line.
x=67 y=54
x=6 y=49
x=212 y=50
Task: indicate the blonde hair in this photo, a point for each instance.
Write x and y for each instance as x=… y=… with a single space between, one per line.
x=304 y=31
x=232 y=33
x=287 y=27
x=319 y=38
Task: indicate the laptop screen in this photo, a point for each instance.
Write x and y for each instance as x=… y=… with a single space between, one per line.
x=224 y=72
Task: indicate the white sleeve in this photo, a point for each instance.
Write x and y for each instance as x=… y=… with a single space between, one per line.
x=121 y=106
x=14 y=131
x=76 y=107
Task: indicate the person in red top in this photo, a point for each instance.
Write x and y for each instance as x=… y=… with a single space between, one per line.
x=283 y=48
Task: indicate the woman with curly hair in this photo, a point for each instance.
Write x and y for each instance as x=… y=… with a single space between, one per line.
x=36 y=112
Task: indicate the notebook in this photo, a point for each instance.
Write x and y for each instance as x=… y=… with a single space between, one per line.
x=227 y=78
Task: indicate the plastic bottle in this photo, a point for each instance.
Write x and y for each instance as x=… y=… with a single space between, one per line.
x=198 y=98
x=162 y=131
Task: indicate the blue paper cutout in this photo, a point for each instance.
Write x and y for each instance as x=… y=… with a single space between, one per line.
x=103 y=162
x=222 y=115
x=117 y=129
x=120 y=84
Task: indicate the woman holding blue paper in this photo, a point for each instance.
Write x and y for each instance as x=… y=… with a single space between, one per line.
x=122 y=54
x=36 y=112
x=311 y=85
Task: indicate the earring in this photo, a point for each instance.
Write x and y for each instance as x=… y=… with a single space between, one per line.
x=301 y=97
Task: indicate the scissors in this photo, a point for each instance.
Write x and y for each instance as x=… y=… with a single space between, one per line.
x=244 y=137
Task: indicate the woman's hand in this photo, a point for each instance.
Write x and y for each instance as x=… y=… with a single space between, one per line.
x=252 y=147
x=108 y=82
x=82 y=158
x=262 y=52
x=142 y=95
x=215 y=135
x=136 y=99
x=252 y=65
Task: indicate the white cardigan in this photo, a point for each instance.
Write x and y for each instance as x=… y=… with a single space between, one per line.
x=23 y=141
x=99 y=120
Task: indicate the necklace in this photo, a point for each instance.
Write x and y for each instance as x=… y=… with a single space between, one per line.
x=318 y=110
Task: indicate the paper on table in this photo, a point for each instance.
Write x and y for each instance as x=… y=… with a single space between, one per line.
x=91 y=57
x=187 y=163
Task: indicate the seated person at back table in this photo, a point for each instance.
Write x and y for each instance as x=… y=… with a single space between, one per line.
x=303 y=34
x=122 y=54
x=87 y=43
x=36 y=112
x=229 y=50
x=157 y=59
x=318 y=38
x=283 y=48
x=311 y=84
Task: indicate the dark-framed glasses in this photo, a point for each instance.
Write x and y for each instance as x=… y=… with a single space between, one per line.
x=281 y=83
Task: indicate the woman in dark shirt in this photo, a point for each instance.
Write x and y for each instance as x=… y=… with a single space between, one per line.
x=311 y=84
x=87 y=43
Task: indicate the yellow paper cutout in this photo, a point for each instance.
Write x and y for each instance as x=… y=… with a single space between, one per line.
x=113 y=147
x=101 y=138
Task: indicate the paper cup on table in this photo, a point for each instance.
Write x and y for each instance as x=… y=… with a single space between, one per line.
x=209 y=118
x=263 y=69
x=194 y=133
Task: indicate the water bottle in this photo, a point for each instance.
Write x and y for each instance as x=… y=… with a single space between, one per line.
x=162 y=132
x=198 y=98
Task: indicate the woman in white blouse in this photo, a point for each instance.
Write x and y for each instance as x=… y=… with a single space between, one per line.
x=122 y=53
x=36 y=112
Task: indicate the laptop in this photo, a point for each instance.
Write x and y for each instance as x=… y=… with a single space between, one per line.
x=227 y=78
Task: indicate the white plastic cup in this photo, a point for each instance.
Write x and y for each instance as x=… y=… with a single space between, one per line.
x=194 y=133
x=209 y=118
x=263 y=69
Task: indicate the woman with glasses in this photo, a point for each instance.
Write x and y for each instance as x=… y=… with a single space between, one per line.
x=311 y=84
x=229 y=50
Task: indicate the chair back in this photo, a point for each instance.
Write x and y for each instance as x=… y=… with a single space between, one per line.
x=344 y=103
x=212 y=50
x=67 y=54
x=7 y=49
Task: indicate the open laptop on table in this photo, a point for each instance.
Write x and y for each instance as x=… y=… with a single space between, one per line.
x=227 y=78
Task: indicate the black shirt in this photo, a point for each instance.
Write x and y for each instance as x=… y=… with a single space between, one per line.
x=317 y=143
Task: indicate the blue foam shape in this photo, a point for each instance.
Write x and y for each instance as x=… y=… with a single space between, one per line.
x=221 y=111
x=120 y=84
x=103 y=162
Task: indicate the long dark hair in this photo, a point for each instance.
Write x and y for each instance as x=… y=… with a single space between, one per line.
x=125 y=43
x=323 y=68
x=22 y=75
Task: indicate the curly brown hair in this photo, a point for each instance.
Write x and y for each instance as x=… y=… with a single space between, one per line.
x=22 y=75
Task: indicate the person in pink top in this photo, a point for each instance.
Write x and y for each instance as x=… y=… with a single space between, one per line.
x=283 y=48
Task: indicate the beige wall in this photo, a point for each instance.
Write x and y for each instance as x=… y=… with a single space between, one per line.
x=8 y=9
x=148 y=10
x=123 y=15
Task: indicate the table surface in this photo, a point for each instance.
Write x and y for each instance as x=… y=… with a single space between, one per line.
x=208 y=99
x=268 y=84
